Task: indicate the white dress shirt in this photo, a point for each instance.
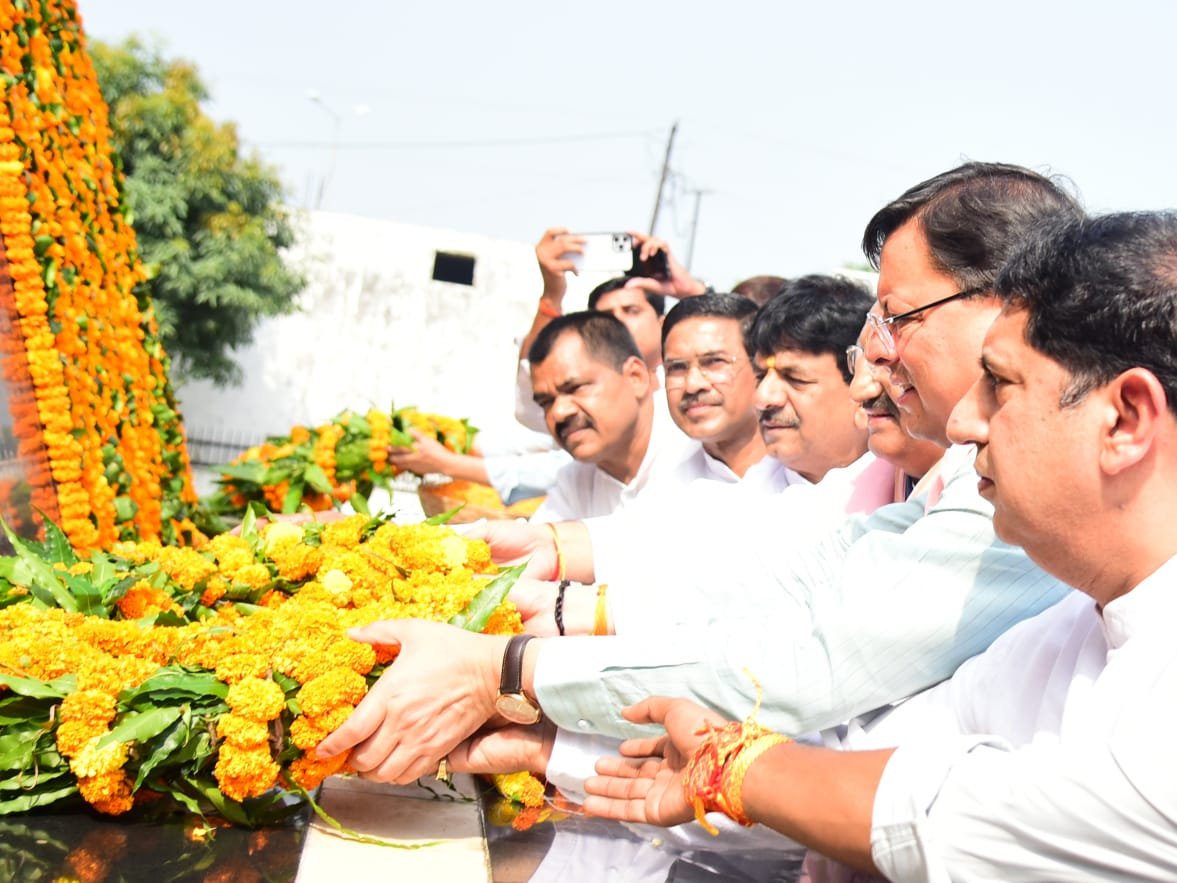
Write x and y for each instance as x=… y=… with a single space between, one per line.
x=880 y=609
x=582 y=490
x=1073 y=778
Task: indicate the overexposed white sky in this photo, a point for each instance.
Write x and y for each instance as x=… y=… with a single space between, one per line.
x=797 y=121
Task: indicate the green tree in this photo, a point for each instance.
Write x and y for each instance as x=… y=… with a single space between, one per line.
x=209 y=221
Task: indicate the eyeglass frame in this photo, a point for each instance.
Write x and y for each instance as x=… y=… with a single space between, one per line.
x=854 y=352
x=731 y=363
x=880 y=325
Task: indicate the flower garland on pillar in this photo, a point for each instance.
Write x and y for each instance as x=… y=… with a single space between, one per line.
x=106 y=409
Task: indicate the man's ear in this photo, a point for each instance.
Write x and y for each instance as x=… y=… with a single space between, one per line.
x=1138 y=408
x=637 y=374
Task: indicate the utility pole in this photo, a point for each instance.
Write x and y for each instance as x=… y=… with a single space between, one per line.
x=694 y=227
x=662 y=178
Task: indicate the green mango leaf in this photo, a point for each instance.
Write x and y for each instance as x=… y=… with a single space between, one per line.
x=44 y=585
x=444 y=517
x=43 y=778
x=293 y=498
x=488 y=599
x=87 y=594
x=174 y=739
x=57 y=545
x=230 y=810
x=124 y=509
x=251 y=472
x=360 y=503
x=56 y=689
x=317 y=478
x=178 y=681
x=32 y=799
x=140 y=726
x=17 y=749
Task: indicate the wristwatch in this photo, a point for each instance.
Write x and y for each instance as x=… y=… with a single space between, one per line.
x=512 y=703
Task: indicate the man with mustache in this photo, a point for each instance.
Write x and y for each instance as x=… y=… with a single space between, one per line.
x=886 y=606
x=1046 y=757
x=597 y=397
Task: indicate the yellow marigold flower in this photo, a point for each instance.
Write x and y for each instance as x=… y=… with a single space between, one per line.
x=255 y=698
x=280 y=533
x=340 y=686
x=94 y=761
x=108 y=793
x=335 y=581
x=306 y=734
x=186 y=566
x=226 y=543
x=80 y=568
x=234 y=667
x=89 y=706
x=242 y=731
x=72 y=736
x=345 y=532
x=520 y=787
x=245 y=772
x=253 y=575
x=295 y=561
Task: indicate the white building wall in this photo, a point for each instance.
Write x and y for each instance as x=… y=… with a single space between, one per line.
x=374 y=328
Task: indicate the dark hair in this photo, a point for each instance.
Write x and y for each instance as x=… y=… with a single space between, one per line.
x=814 y=314
x=605 y=338
x=719 y=306
x=1101 y=295
x=973 y=217
x=657 y=301
x=760 y=289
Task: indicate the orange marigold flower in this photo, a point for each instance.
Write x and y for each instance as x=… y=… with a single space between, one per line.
x=109 y=793
x=241 y=731
x=245 y=772
x=340 y=686
x=309 y=771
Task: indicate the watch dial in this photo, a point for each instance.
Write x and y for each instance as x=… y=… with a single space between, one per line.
x=517 y=708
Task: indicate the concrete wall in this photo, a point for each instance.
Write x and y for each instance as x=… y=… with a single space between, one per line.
x=373 y=327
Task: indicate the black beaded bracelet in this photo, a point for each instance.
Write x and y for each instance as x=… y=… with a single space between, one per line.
x=560 y=605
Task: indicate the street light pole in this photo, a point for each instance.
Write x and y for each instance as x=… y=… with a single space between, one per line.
x=314 y=96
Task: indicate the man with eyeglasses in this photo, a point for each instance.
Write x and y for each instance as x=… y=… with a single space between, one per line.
x=710 y=385
x=886 y=606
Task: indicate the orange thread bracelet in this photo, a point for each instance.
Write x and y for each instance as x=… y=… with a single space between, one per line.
x=546 y=309
x=601 y=614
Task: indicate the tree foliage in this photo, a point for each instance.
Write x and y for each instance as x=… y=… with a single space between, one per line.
x=209 y=221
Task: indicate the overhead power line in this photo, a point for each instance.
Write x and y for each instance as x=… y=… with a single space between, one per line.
x=444 y=145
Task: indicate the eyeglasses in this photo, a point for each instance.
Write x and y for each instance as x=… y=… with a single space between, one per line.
x=882 y=327
x=716 y=368
x=853 y=354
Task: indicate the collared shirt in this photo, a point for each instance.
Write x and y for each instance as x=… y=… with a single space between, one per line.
x=582 y=490
x=702 y=490
x=1072 y=776
x=882 y=608
x=761 y=523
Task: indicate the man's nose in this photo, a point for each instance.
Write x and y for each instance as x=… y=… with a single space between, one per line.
x=771 y=392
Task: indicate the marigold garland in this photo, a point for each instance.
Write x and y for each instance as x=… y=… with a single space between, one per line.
x=222 y=703
x=102 y=408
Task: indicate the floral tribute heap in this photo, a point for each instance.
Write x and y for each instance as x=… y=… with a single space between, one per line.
x=162 y=676
x=340 y=461
x=91 y=400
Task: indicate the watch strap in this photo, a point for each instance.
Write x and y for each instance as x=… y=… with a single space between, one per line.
x=512 y=677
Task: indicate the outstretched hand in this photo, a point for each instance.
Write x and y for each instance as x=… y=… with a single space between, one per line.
x=426 y=455
x=439 y=691
x=514 y=541
x=645 y=784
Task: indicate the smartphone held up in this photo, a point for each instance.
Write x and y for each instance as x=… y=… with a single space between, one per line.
x=616 y=254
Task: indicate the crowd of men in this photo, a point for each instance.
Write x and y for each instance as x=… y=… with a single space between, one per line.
x=924 y=533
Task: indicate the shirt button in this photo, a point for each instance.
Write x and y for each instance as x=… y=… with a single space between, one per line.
x=584 y=724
